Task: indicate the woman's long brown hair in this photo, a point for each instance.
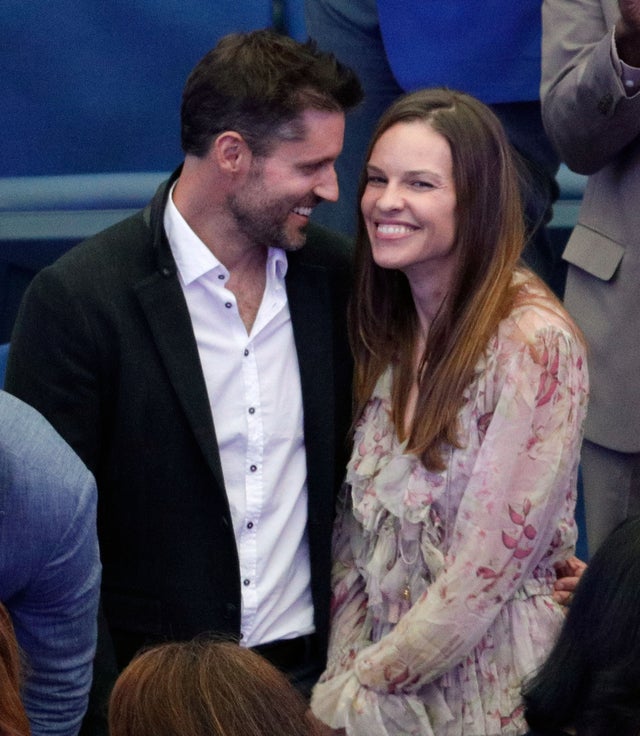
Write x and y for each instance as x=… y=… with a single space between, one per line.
x=13 y=719
x=490 y=235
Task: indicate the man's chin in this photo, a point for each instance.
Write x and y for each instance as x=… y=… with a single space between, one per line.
x=294 y=238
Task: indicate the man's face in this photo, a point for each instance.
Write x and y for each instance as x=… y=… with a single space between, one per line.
x=274 y=203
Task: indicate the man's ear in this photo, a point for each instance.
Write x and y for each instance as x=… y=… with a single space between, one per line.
x=231 y=152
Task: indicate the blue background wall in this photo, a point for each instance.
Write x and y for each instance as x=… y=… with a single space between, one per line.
x=89 y=86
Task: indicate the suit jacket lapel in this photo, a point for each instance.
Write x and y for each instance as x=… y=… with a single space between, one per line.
x=163 y=303
x=165 y=308
x=308 y=291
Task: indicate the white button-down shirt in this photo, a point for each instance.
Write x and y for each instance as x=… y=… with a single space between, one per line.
x=253 y=383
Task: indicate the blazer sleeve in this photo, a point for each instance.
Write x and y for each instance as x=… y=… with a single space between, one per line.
x=585 y=110
x=53 y=362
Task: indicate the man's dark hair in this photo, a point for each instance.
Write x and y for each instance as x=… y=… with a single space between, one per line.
x=259 y=84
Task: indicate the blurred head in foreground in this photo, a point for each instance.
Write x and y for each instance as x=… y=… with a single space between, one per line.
x=205 y=688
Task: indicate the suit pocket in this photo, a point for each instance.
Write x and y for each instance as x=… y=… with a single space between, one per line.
x=593 y=252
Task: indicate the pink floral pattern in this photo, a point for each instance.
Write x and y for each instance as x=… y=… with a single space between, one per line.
x=442 y=581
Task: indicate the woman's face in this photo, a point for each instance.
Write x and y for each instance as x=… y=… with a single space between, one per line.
x=409 y=202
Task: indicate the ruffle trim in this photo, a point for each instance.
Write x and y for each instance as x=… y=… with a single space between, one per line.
x=392 y=496
x=343 y=702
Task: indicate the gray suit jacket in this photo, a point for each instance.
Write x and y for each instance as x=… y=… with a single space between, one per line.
x=596 y=130
x=49 y=565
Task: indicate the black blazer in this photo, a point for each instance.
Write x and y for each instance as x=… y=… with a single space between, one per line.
x=103 y=347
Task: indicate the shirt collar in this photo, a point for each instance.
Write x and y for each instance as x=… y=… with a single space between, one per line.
x=193 y=258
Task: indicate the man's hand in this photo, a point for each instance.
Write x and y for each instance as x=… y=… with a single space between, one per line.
x=628 y=32
x=569 y=572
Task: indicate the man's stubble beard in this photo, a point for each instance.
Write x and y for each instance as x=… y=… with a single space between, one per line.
x=264 y=224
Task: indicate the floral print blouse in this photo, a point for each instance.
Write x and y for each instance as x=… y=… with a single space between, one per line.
x=442 y=581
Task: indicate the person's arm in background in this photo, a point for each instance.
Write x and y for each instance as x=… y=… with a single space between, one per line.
x=586 y=110
x=49 y=567
x=56 y=625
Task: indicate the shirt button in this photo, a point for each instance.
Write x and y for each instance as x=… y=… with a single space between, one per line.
x=253 y=468
x=221 y=276
x=252 y=410
x=250 y=525
x=228 y=305
x=246 y=352
x=246 y=582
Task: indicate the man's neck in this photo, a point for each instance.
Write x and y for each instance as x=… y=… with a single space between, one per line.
x=202 y=203
x=247 y=281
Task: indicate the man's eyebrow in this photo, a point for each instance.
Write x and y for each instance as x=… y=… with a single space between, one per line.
x=317 y=162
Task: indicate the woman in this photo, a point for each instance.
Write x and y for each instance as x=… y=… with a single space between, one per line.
x=13 y=719
x=471 y=390
x=205 y=688
x=590 y=683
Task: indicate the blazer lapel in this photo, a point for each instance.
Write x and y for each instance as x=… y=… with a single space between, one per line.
x=309 y=295
x=166 y=311
x=163 y=303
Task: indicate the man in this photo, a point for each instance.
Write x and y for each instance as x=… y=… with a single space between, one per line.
x=591 y=109
x=49 y=565
x=195 y=356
